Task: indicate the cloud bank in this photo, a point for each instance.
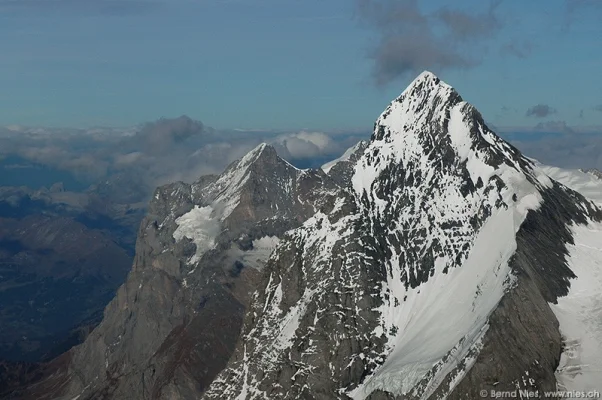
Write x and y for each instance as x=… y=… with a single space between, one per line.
x=152 y=154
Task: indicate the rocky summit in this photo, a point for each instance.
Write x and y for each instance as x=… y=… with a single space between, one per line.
x=433 y=261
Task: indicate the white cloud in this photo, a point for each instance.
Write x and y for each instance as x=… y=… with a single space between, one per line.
x=307 y=144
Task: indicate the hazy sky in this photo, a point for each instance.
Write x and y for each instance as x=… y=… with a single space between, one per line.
x=292 y=64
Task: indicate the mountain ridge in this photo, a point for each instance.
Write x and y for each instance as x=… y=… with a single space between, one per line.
x=175 y=321
x=434 y=261
x=429 y=149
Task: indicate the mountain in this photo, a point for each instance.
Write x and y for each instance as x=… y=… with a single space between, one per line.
x=434 y=261
x=174 y=323
x=445 y=270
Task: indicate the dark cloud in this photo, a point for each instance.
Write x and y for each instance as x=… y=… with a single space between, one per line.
x=598 y=108
x=518 y=49
x=411 y=40
x=470 y=27
x=540 y=111
x=164 y=134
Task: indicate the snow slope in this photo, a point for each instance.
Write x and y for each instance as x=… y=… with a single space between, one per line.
x=448 y=313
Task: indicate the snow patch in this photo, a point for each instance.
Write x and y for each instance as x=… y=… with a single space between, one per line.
x=266 y=243
x=200 y=226
x=289 y=324
x=462 y=143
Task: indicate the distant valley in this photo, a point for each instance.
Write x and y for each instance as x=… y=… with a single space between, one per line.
x=62 y=256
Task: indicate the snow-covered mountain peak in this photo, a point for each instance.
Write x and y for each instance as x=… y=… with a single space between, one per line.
x=261 y=156
x=260 y=164
x=429 y=131
x=439 y=187
x=427 y=82
x=426 y=96
x=428 y=229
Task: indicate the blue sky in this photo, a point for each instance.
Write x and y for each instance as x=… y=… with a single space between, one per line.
x=292 y=64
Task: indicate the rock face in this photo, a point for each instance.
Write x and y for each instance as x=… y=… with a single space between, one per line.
x=431 y=276
x=175 y=322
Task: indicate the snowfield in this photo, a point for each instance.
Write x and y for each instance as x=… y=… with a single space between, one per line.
x=259 y=254
x=580 y=314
